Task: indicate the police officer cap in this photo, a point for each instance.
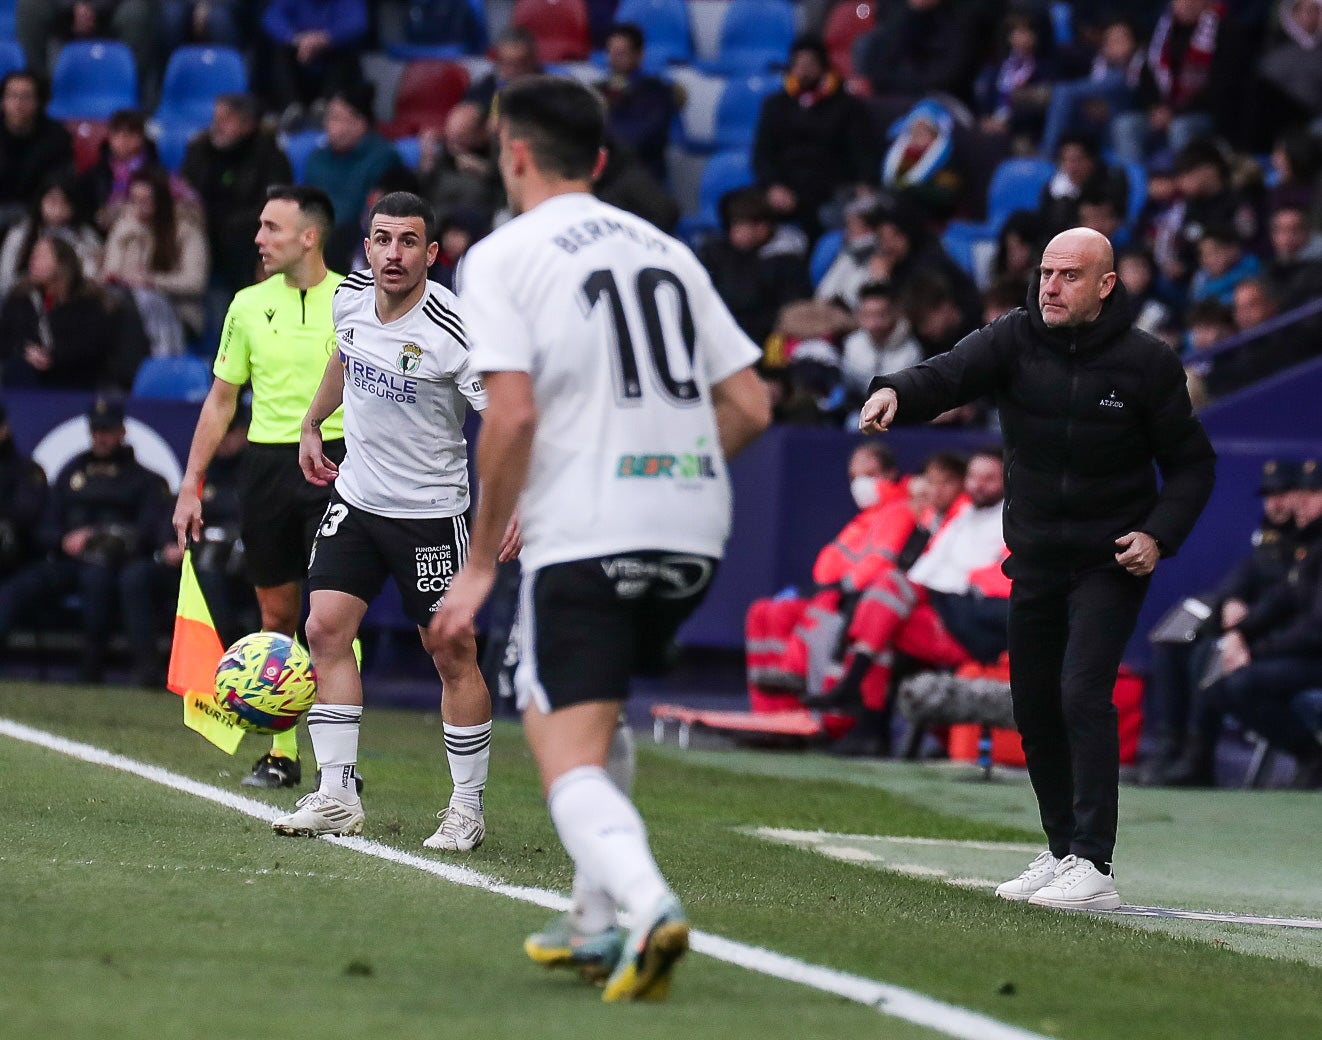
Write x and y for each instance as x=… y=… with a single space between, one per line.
x=1310 y=476
x=1278 y=475
x=105 y=414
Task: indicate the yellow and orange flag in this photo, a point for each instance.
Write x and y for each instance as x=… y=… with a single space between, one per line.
x=194 y=654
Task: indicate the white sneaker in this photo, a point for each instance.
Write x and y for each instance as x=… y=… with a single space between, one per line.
x=321 y=813
x=1078 y=885
x=1041 y=872
x=460 y=830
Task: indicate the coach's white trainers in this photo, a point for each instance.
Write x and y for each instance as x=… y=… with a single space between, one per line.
x=1040 y=873
x=460 y=831
x=1078 y=885
x=320 y=813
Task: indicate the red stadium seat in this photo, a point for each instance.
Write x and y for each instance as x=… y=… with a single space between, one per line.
x=561 y=28
x=427 y=91
x=845 y=24
x=87 y=136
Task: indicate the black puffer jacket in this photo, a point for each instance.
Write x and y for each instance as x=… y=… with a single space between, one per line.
x=1085 y=413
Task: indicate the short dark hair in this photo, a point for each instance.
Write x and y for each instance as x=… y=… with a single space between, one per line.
x=519 y=35
x=245 y=106
x=990 y=451
x=812 y=43
x=1085 y=141
x=1222 y=231
x=129 y=119
x=405 y=204
x=38 y=82
x=1099 y=196
x=882 y=453
x=1210 y=312
x=745 y=206
x=562 y=122
x=312 y=202
x=951 y=462
x=631 y=31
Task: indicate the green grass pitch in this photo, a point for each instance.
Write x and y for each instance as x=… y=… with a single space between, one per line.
x=132 y=910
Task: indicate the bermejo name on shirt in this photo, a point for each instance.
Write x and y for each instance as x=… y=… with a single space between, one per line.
x=590 y=232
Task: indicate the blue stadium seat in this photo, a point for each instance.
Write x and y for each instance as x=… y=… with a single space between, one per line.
x=824 y=254
x=185 y=378
x=427 y=32
x=298 y=146
x=665 y=25
x=193 y=78
x=724 y=172
x=738 y=110
x=410 y=151
x=1062 y=23
x=7 y=22
x=11 y=56
x=1016 y=184
x=755 y=36
x=1138 y=190
x=171 y=143
x=962 y=240
x=93 y=79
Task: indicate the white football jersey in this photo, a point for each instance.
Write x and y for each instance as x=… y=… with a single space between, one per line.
x=406 y=388
x=623 y=335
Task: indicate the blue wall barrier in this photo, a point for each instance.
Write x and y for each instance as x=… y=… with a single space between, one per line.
x=791 y=495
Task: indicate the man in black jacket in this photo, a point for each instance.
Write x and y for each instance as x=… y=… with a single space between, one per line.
x=813 y=139
x=1272 y=654
x=31 y=146
x=22 y=498
x=103 y=510
x=231 y=165
x=1088 y=404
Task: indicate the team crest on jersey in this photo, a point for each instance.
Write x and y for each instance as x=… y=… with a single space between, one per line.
x=410 y=357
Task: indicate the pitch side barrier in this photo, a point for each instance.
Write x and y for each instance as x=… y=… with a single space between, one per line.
x=791 y=495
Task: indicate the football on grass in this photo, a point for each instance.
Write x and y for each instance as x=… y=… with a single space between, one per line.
x=265 y=682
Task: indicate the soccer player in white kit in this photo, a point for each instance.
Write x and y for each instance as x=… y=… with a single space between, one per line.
x=402 y=369
x=619 y=385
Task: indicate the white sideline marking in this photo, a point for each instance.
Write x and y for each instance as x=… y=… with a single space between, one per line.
x=825 y=843
x=895 y=1001
x=817 y=837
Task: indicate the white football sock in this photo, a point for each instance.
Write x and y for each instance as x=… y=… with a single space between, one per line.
x=605 y=837
x=334 y=732
x=468 y=749
x=594 y=909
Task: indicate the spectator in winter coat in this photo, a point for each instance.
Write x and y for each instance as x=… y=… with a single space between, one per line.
x=61 y=332
x=32 y=147
x=230 y=165
x=639 y=107
x=813 y=140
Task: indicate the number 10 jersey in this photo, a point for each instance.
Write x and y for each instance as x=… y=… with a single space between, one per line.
x=623 y=335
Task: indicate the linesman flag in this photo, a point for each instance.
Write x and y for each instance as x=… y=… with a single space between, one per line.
x=194 y=655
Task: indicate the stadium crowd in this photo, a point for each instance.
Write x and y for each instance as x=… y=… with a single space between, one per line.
x=900 y=166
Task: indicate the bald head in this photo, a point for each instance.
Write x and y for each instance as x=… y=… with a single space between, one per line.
x=1078 y=274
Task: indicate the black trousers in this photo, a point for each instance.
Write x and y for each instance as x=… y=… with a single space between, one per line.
x=1261 y=696
x=1068 y=631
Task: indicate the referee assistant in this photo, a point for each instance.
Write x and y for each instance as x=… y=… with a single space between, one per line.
x=1088 y=405
x=277 y=335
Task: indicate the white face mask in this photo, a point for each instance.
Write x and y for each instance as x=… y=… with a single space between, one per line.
x=865 y=491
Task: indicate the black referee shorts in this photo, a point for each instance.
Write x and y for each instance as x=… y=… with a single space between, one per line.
x=356 y=551
x=586 y=627
x=279 y=511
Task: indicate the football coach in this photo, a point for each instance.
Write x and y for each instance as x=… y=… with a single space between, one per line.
x=1088 y=405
